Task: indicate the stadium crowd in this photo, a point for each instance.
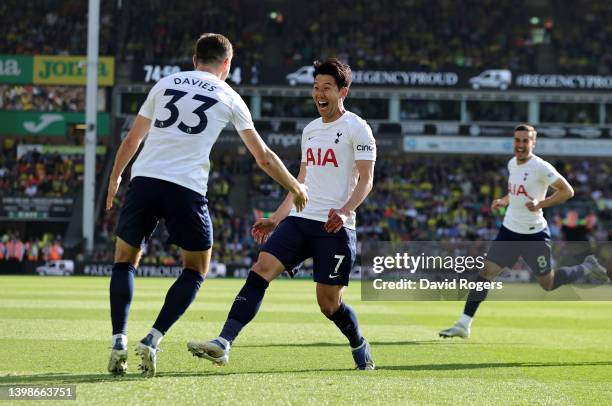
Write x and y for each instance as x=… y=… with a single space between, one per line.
x=411 y=34
x=42 y=98
x=15 y=248
x=415 y=198
x=36 y=171
x=37 y=174
x=52 y=27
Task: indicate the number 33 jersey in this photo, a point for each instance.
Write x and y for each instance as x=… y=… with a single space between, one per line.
x=188 y=111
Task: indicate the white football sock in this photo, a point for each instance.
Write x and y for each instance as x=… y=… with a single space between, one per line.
x=157 y=337
x=465 y=320
x=123 y=339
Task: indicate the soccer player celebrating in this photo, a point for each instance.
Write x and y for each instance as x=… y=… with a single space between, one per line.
x=337 y=167
x=183 y=116
x=529 y=179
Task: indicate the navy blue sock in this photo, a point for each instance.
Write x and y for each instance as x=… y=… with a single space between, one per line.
x=245 y=307
x=346 y=320
x=474 y=298
x=121 y=292
x=567 y=274
x=179 y=297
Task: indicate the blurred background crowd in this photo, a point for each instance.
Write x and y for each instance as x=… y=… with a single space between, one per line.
x=415 y=197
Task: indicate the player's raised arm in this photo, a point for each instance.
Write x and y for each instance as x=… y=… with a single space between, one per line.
x=501 y=202
x=337 y=217
x=125 y=153
x=270 y=163
x=263 y=227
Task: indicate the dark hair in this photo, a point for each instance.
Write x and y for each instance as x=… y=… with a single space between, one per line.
x=212 y=49
x=333 y=67
x=526 y=127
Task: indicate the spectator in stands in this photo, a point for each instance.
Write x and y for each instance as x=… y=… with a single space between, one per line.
x=54 y=251
x=386 y=34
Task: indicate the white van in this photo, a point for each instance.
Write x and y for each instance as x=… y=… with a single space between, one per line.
x=63 y=267
x=492 y=78
x=302 y=76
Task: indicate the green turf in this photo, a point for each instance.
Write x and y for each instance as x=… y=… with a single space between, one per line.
x=56 y=330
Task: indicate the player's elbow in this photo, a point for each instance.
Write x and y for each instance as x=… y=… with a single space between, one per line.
x=131 y=141
x=368 y=182
x=265 y=159
x=568 y=192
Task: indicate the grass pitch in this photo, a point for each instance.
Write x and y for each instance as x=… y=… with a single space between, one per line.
x=57 y=331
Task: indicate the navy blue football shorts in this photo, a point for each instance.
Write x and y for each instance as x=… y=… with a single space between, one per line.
x=535 y=249
x=297 y=239
x=185 y=211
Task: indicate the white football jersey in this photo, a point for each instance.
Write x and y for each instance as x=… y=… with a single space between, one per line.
x=526 y=182
x=329 y=151
x=188 y=111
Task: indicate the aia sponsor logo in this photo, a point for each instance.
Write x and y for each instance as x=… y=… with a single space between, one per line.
x=319 y=157
x=517 y=190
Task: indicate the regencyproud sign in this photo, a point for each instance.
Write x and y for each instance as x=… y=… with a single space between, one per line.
x=487 y=79
x=53 y=70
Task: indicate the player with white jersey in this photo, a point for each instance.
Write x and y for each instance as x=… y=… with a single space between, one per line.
x=182 y=118
x=524 y=232
x=337 y=167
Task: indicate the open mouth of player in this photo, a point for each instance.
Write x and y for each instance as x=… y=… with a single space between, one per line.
x=322 y=105
x=520 y=150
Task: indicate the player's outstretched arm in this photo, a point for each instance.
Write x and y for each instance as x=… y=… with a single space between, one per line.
x=499 y=203
x=270 y=163
x=337 y=217
x=125 y=153
x=285 y=207
x=262 y=228
x=563 y=191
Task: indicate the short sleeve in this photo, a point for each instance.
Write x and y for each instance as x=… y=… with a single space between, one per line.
x=148 y=107
x=303 y=159
x=241 y=116
x=548 y=173
x=364 y=144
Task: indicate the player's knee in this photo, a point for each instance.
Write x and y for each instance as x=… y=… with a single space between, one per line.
x=201 y=268
x=546 y=285
x=268 y=267
x=490 y=271
x=328 y=305
x=487 y=275
x=198 y=265
x=328 y=309
x=262 y=270
x=126 y=253
x=198 y=261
